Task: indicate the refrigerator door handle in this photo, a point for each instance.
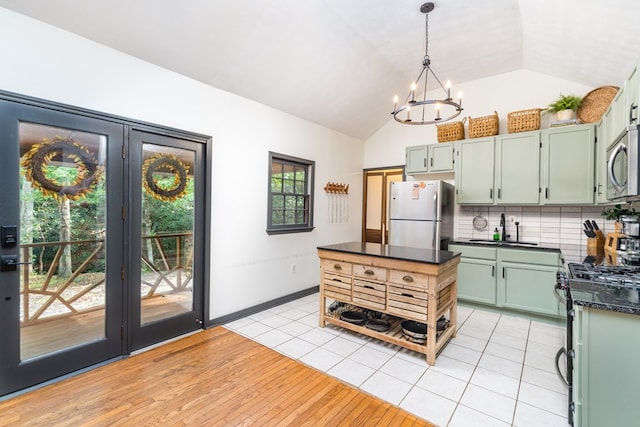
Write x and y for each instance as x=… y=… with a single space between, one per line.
x=435 y=207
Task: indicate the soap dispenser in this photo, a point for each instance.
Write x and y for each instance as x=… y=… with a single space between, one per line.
x=496 y=234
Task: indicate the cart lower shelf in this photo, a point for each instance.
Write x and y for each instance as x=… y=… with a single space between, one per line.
x=395 y=335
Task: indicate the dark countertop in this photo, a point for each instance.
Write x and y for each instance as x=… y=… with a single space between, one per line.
x=605 y=297
x=505 y=244
x=426 y=256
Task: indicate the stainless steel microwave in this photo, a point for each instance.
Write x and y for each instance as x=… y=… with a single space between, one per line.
x=623 y=161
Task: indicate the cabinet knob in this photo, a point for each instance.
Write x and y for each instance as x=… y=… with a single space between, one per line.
x=369 y=272
x=407 y=279
x=337 y=267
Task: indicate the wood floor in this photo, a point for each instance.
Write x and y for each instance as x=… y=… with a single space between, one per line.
x=212 y=378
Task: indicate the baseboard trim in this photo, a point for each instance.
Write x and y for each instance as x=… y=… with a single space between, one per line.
x=260 y=307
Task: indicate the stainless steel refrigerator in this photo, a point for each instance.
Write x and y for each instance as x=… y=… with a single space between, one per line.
x=421 y=214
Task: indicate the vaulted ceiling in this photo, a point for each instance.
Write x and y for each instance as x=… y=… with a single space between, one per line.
x=339 y=62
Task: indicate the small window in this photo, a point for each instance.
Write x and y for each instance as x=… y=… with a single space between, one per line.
x=290 y=194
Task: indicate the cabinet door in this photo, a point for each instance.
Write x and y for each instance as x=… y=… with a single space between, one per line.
x=620 y=113
x=477 y=280
x=441 y=157
x=518 y=168
x=601 y=163
x=474 y=182
x=568 y=165
x=416 y=159
x=633 y=97
x=529 y=287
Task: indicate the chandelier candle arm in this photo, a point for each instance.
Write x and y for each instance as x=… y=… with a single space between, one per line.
x=436 y=114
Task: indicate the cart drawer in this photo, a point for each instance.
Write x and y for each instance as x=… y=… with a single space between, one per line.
x=370 y=294
x=370 y=273
x=339 y=267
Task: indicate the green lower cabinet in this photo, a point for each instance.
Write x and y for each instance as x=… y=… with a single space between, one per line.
x=529 y=287
x=477 y=280
x=518 y=279
x=606 y=378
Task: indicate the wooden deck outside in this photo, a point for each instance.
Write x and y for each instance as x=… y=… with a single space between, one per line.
x=212 y=378
x=48 y=336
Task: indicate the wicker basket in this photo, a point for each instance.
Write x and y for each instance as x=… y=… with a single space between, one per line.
x=595 y=103
x=524 y=120
x=451 y=131
x=483 y=126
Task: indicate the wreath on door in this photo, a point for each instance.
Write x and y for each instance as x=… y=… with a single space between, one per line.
x=36 y=161
x=165 y=164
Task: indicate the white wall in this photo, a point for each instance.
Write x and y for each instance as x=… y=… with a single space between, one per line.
x=248 y=266
x=504 y=93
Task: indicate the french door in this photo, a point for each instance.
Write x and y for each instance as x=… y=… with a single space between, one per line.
x=167 y=209
x=101 y=241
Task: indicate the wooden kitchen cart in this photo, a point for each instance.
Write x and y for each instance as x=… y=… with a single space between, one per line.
x=402 y=282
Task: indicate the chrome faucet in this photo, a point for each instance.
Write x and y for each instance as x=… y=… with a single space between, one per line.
x=503 y=226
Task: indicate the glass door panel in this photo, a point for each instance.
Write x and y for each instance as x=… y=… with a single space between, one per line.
x=167 y=257
x=62 y=223
x=167 y=232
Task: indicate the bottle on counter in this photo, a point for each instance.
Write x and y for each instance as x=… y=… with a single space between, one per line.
x=496 y=234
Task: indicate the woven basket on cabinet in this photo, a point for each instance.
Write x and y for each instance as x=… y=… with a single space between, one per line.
x=483 y=126
x=524 y=120
x=451 y=131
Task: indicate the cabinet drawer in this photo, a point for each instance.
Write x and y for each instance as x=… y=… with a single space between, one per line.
x=408 y=301
x=407 y=278
x=531 y=257
x=339 y=267
x=370 y=294
x=370 y=273
x=337 y=286
x=474 y=251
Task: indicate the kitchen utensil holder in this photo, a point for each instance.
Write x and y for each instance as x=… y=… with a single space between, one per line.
x=595 y=245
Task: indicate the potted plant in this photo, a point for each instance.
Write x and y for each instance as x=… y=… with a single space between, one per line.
x=565 y=106
x=616 y=212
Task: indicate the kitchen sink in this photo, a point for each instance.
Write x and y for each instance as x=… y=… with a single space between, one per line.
x=503 y=242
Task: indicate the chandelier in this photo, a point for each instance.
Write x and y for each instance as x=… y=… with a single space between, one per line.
x=423 y=111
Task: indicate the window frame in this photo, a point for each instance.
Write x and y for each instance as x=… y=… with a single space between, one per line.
x=309 y=194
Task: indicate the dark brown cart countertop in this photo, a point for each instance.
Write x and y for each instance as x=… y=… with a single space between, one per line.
x=404 y=253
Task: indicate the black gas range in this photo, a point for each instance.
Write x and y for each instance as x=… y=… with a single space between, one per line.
x=621 y=276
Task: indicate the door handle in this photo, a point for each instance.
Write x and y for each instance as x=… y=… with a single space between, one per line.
x=619 y=187
x=10 y=263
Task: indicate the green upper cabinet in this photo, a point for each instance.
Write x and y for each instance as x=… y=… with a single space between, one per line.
x=441 y=157
x=474 y=180
x=568 y=165
x=518 y=168
x=416 y=159
x=601 y=163
x=430 y=158
x=633 y=98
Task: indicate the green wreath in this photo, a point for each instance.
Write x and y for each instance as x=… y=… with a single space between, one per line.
x=165 y=163
x=37 y=159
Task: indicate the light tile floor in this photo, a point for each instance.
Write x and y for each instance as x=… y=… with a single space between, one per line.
x=498 y=370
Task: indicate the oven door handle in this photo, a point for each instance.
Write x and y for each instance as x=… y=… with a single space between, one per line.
x=556 y=292
x=612 y=176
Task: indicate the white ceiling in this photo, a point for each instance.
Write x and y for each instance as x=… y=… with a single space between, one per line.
x=339 y=62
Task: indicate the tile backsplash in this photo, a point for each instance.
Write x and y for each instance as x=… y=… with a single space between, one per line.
x=557 y=226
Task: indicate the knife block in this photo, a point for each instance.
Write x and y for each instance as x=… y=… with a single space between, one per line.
x=611 y=244
x=595 y=245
